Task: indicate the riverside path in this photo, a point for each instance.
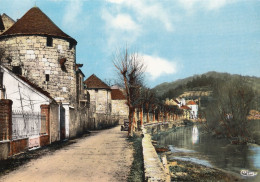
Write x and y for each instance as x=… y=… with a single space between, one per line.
x=105 y=156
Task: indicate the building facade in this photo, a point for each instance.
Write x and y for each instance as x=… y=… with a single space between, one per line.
x=38 y=50
x=194 y=109
x=100 y=102
x=119 y=106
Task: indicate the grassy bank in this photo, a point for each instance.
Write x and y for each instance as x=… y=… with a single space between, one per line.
x=188 y=171
x=137 y=168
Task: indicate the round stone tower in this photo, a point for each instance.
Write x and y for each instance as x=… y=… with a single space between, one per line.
x=40 y=51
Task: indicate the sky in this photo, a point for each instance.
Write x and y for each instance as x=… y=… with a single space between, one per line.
x=174 y=38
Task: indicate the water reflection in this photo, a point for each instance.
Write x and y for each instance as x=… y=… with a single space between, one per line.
x=219 y=152
x=195 y=134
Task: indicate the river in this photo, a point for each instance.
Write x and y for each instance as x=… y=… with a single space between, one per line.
x=199 y=147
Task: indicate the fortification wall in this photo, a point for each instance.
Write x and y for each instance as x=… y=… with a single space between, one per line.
x=43 y=64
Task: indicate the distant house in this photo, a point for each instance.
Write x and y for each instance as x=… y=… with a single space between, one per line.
x=182 y=102
x=119 y=106
x=100 y=94
x=186 y=111
x=172 y=102
x=100 y=102
x=194 y=109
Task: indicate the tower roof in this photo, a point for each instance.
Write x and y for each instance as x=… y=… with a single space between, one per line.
x=94 y=82
x=185 y=107
x=35 y=22
x=191 y=103
x=117 y=94
x=2 y=27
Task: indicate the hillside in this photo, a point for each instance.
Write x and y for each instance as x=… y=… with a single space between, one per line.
x=199 y=84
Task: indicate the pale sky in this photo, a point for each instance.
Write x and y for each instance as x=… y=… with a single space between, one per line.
x=176 y=38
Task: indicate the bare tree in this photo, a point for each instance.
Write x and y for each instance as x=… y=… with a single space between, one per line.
x=149 y=102
x=131 y=69
x=228 y=114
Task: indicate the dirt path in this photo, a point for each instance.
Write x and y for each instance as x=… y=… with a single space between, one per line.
x=105 y=156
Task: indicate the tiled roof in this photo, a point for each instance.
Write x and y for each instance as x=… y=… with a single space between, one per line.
x=93 y=82
x=35 y=22
x=191 y=103
x=177 y=102
x=36 y=87
x=185 y=107
x=117 y=94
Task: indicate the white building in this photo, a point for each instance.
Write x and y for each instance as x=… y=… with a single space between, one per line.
x=26 y=96
x=194 y=109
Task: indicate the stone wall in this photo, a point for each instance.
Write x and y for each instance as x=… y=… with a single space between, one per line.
x=4 y=150
x=102 y=99
x=77 y=122
x=120 y=109
x=37 y=60
x=153 y=167
x=54 y=122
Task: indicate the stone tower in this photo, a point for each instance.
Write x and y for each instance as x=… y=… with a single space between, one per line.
x=39 y=50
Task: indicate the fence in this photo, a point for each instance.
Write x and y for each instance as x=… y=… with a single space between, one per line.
x=27 y=124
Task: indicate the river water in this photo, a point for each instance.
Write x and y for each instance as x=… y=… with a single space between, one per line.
x=199 y=147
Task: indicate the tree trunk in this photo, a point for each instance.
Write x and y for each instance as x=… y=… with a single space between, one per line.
x=147 y=117
x=141 y=113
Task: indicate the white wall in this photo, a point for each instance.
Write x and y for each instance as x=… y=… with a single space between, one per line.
x=102 y=98
x=17 y=89
x=194 y=110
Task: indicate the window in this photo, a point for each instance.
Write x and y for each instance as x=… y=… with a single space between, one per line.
x=62 y=64
x=47 y=77
x=49 y=41
x=71 y=45
x=17 y=70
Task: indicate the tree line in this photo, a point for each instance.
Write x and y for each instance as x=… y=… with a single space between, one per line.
x=130 y=68
x=226 y=114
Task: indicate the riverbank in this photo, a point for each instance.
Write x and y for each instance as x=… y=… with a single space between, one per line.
x=187 y=165
x=189 y=171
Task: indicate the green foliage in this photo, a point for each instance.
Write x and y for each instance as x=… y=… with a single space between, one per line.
x=205 y=82
x=227 y=113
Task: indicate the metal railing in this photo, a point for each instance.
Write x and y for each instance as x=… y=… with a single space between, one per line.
x=27 y=124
